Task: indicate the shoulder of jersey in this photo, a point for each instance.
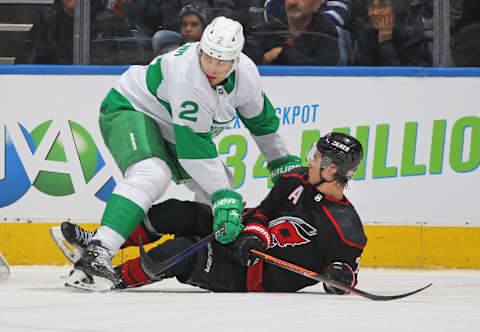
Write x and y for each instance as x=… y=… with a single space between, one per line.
x=346 y=220
x=181 y=57
x=297 y=175
x=246 y=61
x=247 y=65
x=184 y=50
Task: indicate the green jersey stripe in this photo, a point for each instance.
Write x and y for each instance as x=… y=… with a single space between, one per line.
x=154 y=76
x=115 y=101
x=191 y=145
x=265 y=123
x=154 y=79
x=166 y=104
x=230 y=83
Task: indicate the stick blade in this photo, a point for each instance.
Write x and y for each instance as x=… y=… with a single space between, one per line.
x=319 y=277
x=391 y=297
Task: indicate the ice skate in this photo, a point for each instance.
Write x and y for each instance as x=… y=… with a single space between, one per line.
x=4 y=268
x=71 y=239
x=94 y=271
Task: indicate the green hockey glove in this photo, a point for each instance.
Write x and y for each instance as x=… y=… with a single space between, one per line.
x=282 y=165
x=227 y=210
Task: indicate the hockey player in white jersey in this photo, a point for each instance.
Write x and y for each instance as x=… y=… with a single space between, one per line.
x=158 y=121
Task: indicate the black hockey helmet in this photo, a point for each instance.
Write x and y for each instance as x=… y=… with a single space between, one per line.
x=343 y=150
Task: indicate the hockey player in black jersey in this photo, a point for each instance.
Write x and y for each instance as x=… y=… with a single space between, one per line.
x=305 y=219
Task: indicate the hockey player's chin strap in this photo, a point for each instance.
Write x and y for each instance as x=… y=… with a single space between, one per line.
x=322 y=180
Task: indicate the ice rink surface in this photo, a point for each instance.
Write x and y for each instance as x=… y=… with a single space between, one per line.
x=34 y=299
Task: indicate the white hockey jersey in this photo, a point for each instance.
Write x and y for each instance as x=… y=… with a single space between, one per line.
x=176 y=94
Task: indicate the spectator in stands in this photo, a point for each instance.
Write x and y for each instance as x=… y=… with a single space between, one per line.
x=154 y=14
x=392 y=34
x=463 y=13
x=144 y=16
x=140 y=25
x=248 y=12
x=52 y=34
x=336 y=12
x=465 y=28
x=111 y=40
x=302 y=37
x=194 y=17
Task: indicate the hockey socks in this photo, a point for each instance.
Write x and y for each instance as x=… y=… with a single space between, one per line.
x=141 y=232
x=132 y=274
x=122 y=215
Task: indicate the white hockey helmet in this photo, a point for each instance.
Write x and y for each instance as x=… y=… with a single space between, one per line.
x=223 y=39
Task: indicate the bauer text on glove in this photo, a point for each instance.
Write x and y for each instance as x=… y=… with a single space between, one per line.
x=282 y=165
x=227 y=210
x=254 y=236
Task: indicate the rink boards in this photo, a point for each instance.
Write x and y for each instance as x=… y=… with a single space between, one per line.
x=416 y=190
x=388 y=246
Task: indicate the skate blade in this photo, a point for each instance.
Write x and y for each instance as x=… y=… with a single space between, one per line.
x=73 y=254
x=79 y=280
x=4 y=268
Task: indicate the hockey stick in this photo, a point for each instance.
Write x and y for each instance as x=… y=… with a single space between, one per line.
x=158 y=268
x=319 y=277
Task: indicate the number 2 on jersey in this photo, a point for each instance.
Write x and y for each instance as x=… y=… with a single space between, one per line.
x=190 y=108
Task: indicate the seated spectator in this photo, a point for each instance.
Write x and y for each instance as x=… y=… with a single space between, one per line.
x=248 y=12
x=301 y=37
x=392 y=34
x=466 y=46
x=194 y=17
x=131 y=10
x=52 y=34
x=465 y=29
x=152 y=14
x=463 y=13
x=111 y=40
x=140 y=28
x=336 y=12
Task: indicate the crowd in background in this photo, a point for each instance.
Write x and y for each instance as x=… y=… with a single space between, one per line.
x=278 y=32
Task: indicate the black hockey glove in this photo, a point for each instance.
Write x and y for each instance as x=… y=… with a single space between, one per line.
x=341 y=272
x=243 y=244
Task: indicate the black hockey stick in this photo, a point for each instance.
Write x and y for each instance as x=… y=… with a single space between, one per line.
x=319 y=277
x=158 y=268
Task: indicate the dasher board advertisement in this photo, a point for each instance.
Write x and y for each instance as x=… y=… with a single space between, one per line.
x=421 y=138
